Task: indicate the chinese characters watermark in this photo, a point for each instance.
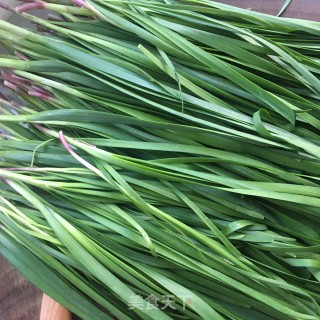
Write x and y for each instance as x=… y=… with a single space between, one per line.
x=158 y=302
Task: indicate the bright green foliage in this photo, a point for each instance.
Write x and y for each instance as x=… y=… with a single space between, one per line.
x=167 y=149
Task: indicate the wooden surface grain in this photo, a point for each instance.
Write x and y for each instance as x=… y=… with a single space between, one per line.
x=19 y=300
x=302 y=9
x=51 y=310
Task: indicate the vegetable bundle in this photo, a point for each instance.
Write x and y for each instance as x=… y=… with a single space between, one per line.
x=161 y=159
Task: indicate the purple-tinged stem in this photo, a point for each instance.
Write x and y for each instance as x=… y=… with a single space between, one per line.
x=35 y=93
x=44 y=29
x=46 y=131
x=16 y=104
x=29 y=1
x=30 y=6
x=65 y=2
x=10 y=85
x=68 y=148
x=21 y=56
x=10 y=81
x=6 y=75
x=21 y=79
x=88 y=144
x=81 y=160
x=4 y=179
x=81 y=3
x=41 y=90
x=39 y=127
x=53 y=17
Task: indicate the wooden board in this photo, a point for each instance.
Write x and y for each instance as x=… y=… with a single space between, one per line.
x=302 y=9
x=51 y=310
x=19 y=300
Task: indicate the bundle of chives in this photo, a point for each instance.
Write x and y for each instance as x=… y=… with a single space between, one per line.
x=160 y=159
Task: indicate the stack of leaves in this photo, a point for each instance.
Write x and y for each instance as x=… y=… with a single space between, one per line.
x=160 y=159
